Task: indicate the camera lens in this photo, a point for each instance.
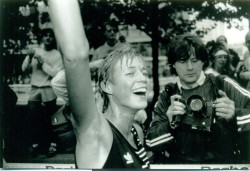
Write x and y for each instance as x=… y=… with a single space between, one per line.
x=196 y=104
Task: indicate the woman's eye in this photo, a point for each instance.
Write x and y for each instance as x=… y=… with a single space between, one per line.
x=130 y=73
x=145 y=74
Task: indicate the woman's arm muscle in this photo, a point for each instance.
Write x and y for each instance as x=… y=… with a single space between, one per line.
x=72 y=40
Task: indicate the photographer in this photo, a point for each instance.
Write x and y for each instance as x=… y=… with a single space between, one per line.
x=205 y=135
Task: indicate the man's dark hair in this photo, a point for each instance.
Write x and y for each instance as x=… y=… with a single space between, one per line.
x=235 y=59
x=180 y=49
x=46 y=31
x=113 y=23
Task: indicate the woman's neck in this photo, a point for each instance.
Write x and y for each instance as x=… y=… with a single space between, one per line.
x=122 y=120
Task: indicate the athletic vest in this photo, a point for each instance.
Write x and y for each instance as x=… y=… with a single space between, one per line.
x=123 y=155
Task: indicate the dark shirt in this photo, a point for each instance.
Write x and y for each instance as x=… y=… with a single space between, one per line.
x=194 y=146
x=123 y=155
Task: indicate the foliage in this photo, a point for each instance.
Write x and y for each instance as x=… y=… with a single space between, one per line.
x=160 y=19
x=172 y=14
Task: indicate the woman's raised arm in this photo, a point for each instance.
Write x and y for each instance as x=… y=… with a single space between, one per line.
x=69 y=31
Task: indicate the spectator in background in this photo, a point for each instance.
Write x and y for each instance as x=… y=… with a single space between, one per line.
x=43 y=63
x=222 y=39
x=234 y=58
x=220 y=61
x=233 y=55
x=112 y=40
x=209 y=46
x=243 y=68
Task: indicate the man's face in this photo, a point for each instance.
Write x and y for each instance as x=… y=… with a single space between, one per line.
x=189 y=70
x=111 y=32
x=47 y=38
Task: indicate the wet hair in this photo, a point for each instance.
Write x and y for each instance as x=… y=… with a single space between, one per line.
x=107 y=69
x=183 y=46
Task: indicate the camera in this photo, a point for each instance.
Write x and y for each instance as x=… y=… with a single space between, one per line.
x=241 y=81
x=242 y=69
x=199 y=114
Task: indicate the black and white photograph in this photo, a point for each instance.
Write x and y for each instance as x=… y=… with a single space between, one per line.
x=125 y=84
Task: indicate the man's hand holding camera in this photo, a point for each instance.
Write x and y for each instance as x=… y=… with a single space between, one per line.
x=224 y=107
x=176 y=107
x=195 y=111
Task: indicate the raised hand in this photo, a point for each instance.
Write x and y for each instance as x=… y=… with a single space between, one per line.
x=224 y=107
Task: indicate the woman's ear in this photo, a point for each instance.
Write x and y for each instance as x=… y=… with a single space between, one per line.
x=106 y=87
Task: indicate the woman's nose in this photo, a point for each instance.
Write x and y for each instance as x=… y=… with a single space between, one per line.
x=143 y=77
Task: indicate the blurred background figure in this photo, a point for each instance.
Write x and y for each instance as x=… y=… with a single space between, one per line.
x=44 y=63
x=233 y=55
x=112 y=40
x=222 y=39
x=220 y=61
x=210 y=44
x=243 y=68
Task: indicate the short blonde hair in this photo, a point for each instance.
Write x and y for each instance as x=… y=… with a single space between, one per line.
x=106 y=71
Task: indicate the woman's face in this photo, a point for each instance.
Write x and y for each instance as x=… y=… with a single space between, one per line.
x=129 y=85
x=220 y=59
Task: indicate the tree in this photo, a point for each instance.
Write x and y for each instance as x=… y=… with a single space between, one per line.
x=164 y=19
x=160 y=19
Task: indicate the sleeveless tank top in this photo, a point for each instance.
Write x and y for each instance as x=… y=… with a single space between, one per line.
x=123 y=155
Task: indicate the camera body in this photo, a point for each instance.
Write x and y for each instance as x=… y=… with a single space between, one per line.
x=242 y=69
x=242 y=82
x=199 y=114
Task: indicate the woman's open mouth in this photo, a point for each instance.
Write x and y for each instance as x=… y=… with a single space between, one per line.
x=140 y=91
